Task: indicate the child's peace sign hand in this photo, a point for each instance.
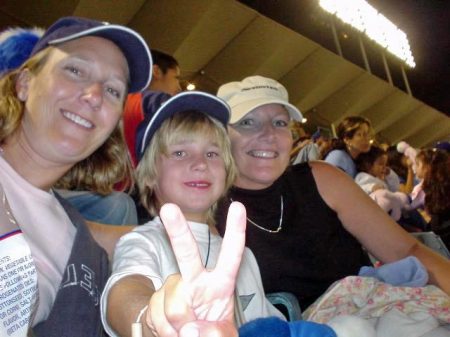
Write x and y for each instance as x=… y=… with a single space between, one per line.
x=198 y=302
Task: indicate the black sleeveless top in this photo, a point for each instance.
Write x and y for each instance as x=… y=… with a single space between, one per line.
x=311 y=251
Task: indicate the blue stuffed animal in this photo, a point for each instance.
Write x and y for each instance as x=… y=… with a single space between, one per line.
x=16 y=45
x=275 y=327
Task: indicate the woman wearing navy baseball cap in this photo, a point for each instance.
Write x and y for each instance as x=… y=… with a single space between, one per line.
x=59 y=116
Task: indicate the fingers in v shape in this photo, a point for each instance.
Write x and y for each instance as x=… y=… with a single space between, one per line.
x=186 y=250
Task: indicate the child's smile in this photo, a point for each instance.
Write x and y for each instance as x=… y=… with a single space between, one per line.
x=192 y=176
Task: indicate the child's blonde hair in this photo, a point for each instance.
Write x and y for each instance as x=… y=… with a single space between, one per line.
x=183 y=126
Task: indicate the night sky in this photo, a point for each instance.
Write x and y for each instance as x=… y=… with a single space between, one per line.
x=425 y=22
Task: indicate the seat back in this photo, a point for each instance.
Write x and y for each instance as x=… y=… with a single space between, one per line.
x=433 y=241
x=287 y=303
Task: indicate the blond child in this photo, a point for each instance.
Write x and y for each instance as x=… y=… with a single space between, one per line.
x=184 y=158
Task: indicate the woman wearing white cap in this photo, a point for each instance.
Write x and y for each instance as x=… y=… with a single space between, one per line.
x=59 y=118
x=307 y=223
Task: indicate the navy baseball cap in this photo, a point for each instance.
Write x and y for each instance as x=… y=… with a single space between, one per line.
x=158 y=106
x=443 y=145
x=131 y=44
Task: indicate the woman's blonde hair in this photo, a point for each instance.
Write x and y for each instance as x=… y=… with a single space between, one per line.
x=107 y=166
x=186 y=125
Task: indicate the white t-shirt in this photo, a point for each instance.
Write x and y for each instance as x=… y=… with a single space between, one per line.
x=368 y=182
x=147 y=251
x=48 y=234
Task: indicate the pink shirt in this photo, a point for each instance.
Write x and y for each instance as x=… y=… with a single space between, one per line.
x=417 y=196
x=47 y=230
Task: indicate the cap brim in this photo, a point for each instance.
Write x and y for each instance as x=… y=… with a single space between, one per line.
x=185 y=101
x=131 y=44
x=240 y=110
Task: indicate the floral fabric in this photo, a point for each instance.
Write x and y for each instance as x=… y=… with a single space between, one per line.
x=366 y=297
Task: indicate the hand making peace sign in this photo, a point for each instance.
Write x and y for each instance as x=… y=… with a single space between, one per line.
x=198 y=302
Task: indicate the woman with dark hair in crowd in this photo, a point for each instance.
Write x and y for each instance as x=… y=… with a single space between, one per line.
x=353 y=138
x=433 y=167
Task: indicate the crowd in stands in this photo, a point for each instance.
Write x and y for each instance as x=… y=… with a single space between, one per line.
x=396 y=171
x=233 y=200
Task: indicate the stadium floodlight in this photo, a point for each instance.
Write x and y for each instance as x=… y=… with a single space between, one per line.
x=366 y=19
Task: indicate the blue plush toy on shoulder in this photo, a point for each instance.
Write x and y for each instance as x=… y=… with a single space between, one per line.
x=16 y=45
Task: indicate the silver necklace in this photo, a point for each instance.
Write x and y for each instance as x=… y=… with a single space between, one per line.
x=280 y=224
x=209 y=247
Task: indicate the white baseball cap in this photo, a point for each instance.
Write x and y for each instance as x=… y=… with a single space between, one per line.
x=253 y=92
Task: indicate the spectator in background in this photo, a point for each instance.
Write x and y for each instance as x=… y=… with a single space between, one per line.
x=353 y=138
x=401 y=178
x=323 y=141
x=371 y=167
x=298 y=132
x=371 y=177
x=165 y=78
x=165 y=74
x=433 y=168
x=303 y=149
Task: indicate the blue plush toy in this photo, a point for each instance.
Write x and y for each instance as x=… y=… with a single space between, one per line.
x=16 y=45
x=275 y=327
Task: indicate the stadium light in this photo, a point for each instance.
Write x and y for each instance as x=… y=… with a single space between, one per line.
x=366 y=19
